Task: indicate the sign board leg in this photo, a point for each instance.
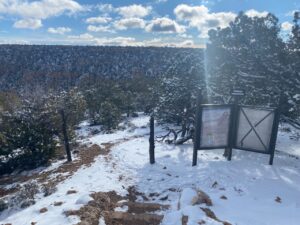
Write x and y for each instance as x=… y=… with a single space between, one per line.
x=271 y=159
x=195 y=155
x=229 y=154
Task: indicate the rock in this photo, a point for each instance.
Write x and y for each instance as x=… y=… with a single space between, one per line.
x=215 y=184
x=43 y=210
x=164 y=198
x=138 y=207
x=57 y=203
x=223 y=197
x=69 y=192
x=202 y=198
x=184 y=220
x=190 y=197
x=133 y=219
x=278 y=199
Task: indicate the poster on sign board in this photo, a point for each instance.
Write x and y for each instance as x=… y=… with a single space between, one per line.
x=215 y=127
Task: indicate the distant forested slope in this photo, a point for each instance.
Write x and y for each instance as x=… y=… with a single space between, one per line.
x=64 y=66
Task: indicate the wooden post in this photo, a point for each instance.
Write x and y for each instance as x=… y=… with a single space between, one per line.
x=275 y=129
x=65 y=135
x=197 y=133
x=151 y=141
x=233 y=124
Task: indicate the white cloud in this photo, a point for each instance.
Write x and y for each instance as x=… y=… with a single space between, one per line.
x=34 y=11
x=186 y=12
x=39 y=9
x=105 y=8
x=254 y=13
x=134 y=11
x=84 y=36
x=164 y=25
x=202 y=19
x=186 y=44
x=28 y=24
x=99 y=19
x=92 y=40
x=130 y=41
x=59 y=30
x=171 y=42
x=121 y=41
x=100 y=28
x=128 y=23
x=286 y=26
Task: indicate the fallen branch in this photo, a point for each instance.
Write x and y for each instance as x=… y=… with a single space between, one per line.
x=294 y=123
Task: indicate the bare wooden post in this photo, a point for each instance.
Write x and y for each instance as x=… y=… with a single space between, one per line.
x=151 y=141
x=65 y=135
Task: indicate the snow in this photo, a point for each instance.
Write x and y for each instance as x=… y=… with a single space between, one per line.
x=249 y=184
x=187 y=196
x=84 y=199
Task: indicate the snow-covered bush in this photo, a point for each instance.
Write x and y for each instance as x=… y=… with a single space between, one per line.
x=25 y=197
x=27 y=138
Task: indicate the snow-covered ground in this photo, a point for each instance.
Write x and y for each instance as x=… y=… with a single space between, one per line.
x=243 y=191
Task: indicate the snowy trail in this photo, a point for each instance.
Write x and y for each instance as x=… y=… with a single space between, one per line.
x=248 y=185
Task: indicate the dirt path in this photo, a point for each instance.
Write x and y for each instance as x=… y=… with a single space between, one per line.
x=85 y=157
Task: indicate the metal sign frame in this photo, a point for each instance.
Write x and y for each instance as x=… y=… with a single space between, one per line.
x=214 y=106
x=270 y=149
x=234 y=122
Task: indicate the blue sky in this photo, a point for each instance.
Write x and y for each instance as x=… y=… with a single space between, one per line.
x=128 y=22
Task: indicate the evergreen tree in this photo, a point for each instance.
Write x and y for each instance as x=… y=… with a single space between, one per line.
x=27 y=137
x=107 y=94
x=248 y=55
x=178 y=92
x=294 y=65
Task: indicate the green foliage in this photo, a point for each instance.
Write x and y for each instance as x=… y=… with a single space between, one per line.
x=102 y=91
x=109 y=115
x=250 y=55
x=27 y=138
x=178 y=93
x=293 y=50
x=29 y=133
x=74 y=106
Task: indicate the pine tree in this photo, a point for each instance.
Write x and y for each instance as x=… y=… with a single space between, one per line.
x=27 y=137
x=178 y=92
x=294 y=59
x=249 y=55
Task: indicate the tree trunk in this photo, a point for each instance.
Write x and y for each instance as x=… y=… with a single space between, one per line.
x=65 y=135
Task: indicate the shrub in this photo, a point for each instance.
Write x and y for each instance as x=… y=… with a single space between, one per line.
x=27 y=138
x=109 y=115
